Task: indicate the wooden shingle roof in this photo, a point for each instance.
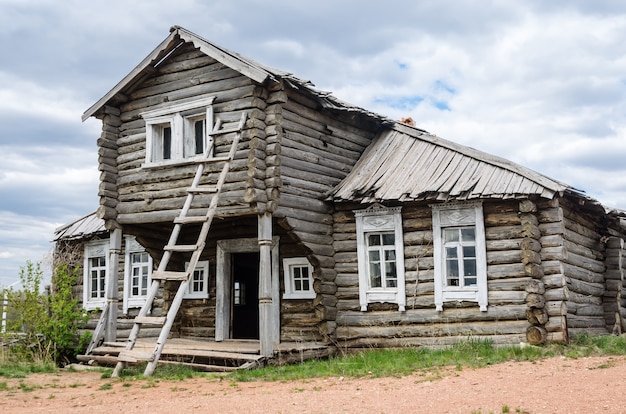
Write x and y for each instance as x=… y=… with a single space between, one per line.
x=84 y=227
x=408 y=164
x=248 y=67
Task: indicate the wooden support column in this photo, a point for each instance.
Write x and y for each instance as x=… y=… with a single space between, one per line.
x=115 y=249
x=266 y=314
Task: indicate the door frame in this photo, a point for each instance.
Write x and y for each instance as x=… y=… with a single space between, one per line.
x=223 y=284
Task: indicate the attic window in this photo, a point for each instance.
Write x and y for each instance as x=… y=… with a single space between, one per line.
x=179 y=133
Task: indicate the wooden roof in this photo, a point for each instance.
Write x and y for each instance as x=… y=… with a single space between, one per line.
x=248 y=67
x=84 y=227
x=408 y=164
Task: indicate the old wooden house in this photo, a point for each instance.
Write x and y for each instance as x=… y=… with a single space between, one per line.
x=321 y=226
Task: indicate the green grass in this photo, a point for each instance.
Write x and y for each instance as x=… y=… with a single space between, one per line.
x=400 y=362
x=372 y=363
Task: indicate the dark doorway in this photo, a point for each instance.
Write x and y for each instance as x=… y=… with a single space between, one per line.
x=245 y=299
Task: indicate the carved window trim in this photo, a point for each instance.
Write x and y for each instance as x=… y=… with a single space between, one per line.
x=379 y=220
x=179 y=119
x=198 y=287
x=130 y=300
x=459 y=216
x=95 y=250
x=294 y=265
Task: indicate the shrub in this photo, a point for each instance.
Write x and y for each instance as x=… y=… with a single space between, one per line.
x=45 y=326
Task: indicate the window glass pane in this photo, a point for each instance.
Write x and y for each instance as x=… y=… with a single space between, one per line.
x=305 y=285
x=199 y=136
x=390 y=269
x=392 y=283
x=451 y=252
x=373 y=240
x=167 y=143
x=470 y=281
x=374 y=256
x=469 y=252
x=468 y=234
x=389 y=239
x=469 y=267
x=451 y=235
x=375 y=277
x=452 y=268
x=390 y=255
x=297 y=285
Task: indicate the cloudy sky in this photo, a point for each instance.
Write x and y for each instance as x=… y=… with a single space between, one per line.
x=542 y=83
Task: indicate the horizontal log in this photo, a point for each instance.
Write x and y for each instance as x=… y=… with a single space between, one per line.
x=584 y=288
x=433 y=329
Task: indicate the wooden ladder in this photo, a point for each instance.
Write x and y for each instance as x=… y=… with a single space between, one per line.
x=129 y=355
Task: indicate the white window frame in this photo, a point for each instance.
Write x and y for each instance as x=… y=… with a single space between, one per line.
x=180 y=117
x=289 y=277
x=130 y=300
x=459 y=215
x=203 y=266
x=380 y=219
x=94 y=249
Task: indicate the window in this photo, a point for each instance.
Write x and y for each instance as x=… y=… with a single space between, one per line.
x=298 y=277
x=178 y=132
x=380 y=252
x=460 y=257
x=137 y=272
x=95 y=274
x=199 y=283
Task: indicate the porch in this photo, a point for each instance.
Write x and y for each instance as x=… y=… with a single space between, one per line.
x=210 y=356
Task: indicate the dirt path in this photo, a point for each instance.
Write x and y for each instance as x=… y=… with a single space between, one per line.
x=556 y=385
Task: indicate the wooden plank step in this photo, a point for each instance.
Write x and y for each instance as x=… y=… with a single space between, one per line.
x=169 y=275
x=190 y=220
x=150 y=320
x=203 y=189
x=112 y=360
x=118 y=344
x=181 y=248
x=132 y=355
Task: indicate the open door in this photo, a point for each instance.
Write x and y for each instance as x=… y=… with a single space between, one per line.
x=245 y=296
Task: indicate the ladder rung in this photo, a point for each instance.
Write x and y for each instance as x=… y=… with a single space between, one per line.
x=150 y=320
x=212 y=159
x=132 y=355
x=202 y=189
x=169 y=275
x=182 y=248
x=225 y=131
x=190 y=220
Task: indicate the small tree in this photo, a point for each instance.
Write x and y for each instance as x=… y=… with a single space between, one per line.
x=48 y=323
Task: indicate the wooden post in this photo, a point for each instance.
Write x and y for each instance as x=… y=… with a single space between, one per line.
x=115 y=248
x=266 y=323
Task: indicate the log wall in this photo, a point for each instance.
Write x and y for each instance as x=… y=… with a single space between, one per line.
x=317 y=150
x=382 y=325
x=583 y=253
x=148 y=195
x=196 y=317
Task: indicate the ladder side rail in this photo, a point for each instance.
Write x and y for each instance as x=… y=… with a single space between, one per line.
x=134 y=332
x=165 y=330
x=99 y=331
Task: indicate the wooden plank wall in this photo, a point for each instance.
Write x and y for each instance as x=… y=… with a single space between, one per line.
x=382 y=325
x=154 y=195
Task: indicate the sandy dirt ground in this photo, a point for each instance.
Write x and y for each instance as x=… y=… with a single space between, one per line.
x=555 y=385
